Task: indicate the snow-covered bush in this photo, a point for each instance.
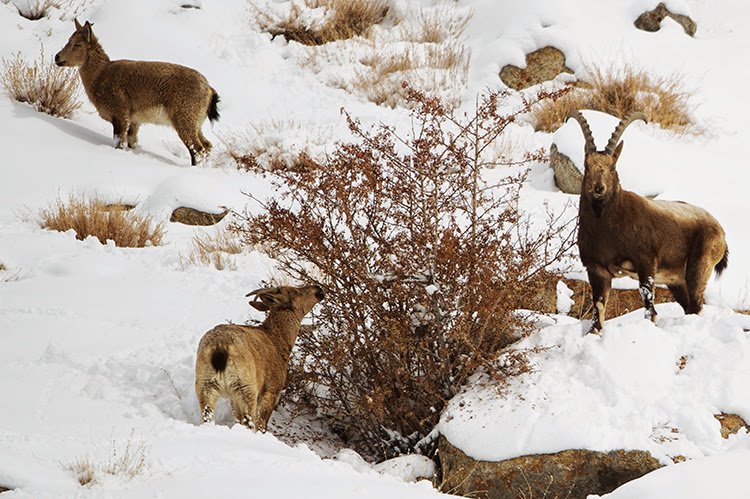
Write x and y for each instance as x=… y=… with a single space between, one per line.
x=424 y=264
x=48 y=88
x=34 y=10
x=91 y=217
x=663 y=99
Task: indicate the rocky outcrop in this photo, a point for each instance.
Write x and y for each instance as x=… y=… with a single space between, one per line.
x=731 y=424
x=571 y=474
x=568 y=177
x=191 y=216
x=541 y=65
x=651 y=20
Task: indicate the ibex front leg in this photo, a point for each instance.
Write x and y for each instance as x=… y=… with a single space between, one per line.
x=601 y=282
x=646 y=289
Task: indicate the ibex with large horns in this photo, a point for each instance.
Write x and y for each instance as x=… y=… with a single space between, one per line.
x=657 y=242
x=130 y=93
x=248 y=364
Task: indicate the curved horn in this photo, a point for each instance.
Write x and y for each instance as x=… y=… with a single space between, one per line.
x=262 y=290
x=610 y=149
x=590 y=147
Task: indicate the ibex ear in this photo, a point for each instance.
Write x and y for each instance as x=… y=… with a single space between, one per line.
x=78 y=25
x=617 y=152
x=87 y=33
x=272 y=299
x=259 y=305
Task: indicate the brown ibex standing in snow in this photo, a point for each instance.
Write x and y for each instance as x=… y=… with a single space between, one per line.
x=657 y=242
x=129 y=93
x=248 y=364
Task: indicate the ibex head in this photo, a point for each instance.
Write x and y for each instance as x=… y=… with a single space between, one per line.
x=600 y=178
x=75 y=52
x=300 y=300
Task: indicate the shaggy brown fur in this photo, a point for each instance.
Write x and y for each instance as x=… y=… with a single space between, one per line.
x=130 y=93
x=248 y=364
x=658 y=242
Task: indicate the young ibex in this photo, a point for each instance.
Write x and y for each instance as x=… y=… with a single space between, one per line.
x=657 y=242
x=248 y=364
x=129 y=93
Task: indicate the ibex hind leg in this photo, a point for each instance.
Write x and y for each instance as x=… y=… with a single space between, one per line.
x=208 y=395
x=681 y=296
x=133 y=135
x=120 y=127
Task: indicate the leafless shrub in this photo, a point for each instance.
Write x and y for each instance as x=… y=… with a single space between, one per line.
x=45 y=86
x=94 y=218
x=662 y=99
x=127 y=463
x=424 y=264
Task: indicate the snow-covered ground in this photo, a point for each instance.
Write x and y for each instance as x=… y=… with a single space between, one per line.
x=97 y=343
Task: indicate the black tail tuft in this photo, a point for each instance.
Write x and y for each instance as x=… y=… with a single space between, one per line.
x=722 y=263
x=219 y=359
x=213 y=111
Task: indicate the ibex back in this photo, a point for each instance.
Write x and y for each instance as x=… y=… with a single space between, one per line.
x=129 y=93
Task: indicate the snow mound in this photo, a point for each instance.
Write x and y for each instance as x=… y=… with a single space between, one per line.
x=638 y=386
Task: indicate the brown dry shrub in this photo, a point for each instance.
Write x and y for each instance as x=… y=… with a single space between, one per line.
x=424 y=264
x=95 y=218
x=48 y=88
x=662 y=99
x=344 y=19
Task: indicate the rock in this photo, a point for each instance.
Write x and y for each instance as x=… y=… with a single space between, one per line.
x=571 y=474
x=568 y=177
x=191 y=216
x=651 y=20
x=4 y=489
x=731 y=424
x=541 y=65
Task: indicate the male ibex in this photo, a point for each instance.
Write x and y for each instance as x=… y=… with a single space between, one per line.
x=657 y=242
x=129 y=93
x=248 y=364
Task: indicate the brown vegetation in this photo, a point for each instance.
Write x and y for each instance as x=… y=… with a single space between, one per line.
x=424 y=264
x=128 y=463
x=344 y=19
x=662 y=99
x=94 y=218
x=213 y=250
x=46 y=87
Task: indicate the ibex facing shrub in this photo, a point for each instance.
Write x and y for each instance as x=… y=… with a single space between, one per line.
x=129 y=93
x=248 y=364
x=658 y=242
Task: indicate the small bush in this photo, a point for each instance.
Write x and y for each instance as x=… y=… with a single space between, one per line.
x=34 y=10
x=620 y=92
x=95 y=218
x=425 y=267
x=128 y=463
x=342 y=19
x=213 y=250
x=48 y=88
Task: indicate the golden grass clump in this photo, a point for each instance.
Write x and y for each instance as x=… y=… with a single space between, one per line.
x=663 y=100
x=96 y=218
x=128 y=463
x=213 y=250
x=48 y=88
x=344 y=19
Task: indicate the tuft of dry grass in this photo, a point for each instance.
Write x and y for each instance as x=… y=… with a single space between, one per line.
x=663 y=100
x=48 y=88
x=129 y=463
x=343 y=19
x=436 y=25
x=33 y=10
x=382 y=80
x=94 y=218
x=213 y=250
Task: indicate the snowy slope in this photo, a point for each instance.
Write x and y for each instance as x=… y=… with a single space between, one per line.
x=98 y=342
